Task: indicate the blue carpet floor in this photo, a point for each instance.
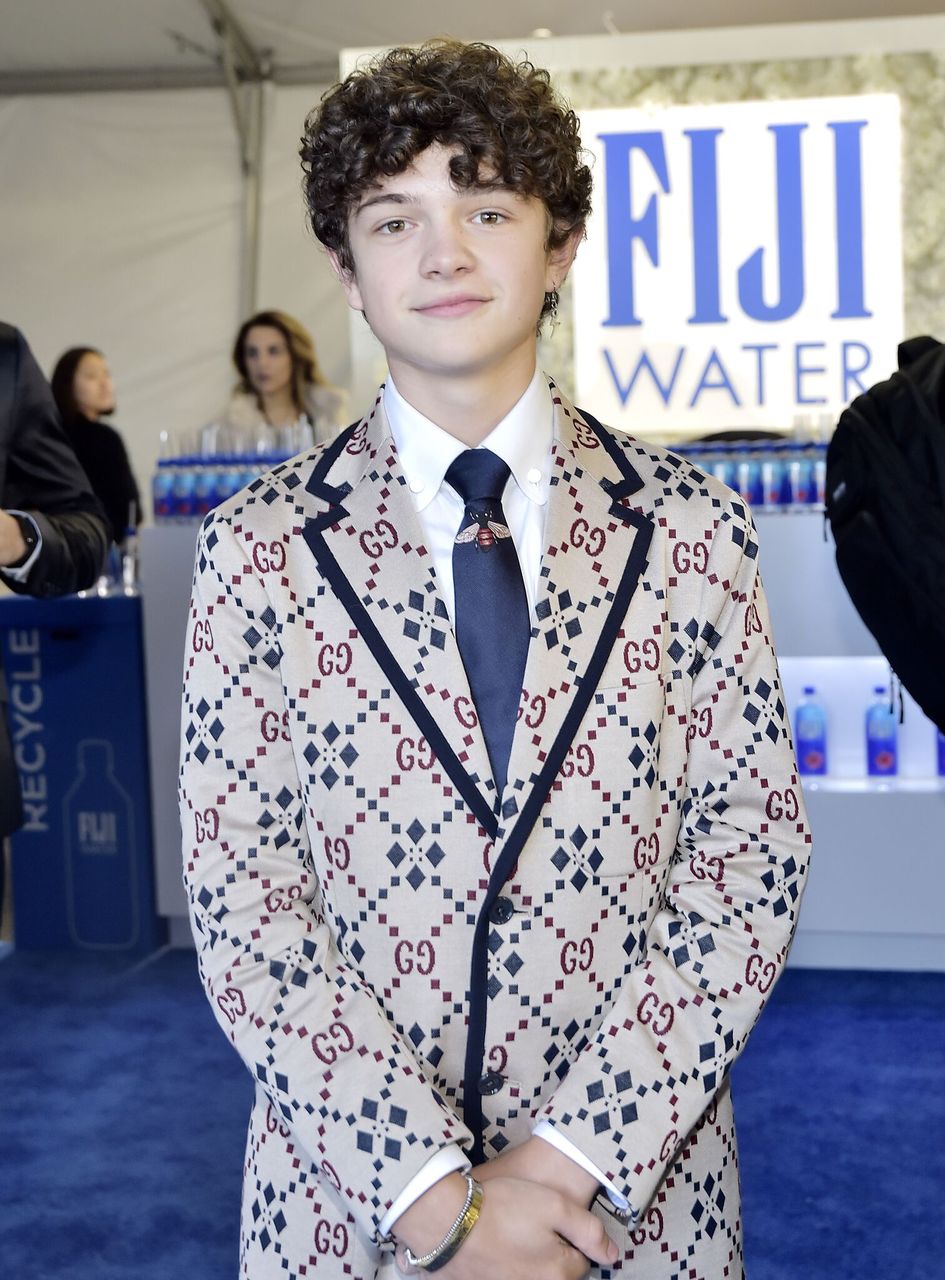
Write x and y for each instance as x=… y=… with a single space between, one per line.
x=123 y=1107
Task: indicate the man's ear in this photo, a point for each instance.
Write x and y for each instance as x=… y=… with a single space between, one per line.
x=347 y=280
x=560 y=259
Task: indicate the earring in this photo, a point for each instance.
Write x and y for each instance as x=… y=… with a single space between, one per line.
x=551 y=307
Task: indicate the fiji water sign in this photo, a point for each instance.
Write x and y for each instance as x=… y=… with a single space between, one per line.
x=743 y=264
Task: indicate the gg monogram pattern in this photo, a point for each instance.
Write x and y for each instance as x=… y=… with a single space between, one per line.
x=405 y=959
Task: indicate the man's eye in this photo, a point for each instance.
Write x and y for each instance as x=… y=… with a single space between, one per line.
x=392 y=226
x=491 y=217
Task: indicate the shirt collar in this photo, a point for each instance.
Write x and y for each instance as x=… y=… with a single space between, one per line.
x=522 y=439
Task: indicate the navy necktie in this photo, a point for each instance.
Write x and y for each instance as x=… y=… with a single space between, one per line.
x=491 y=609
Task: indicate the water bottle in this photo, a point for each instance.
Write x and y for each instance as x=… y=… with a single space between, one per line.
x=723 y=464
x=940 y=741
x=183 y=494
x=162 y=491
x=818 y=487
x=748 y=473
x=129 y=555
x=800 y=478
x=101 y=860
x=881 y=753
x=810 y=732
x=306 y=434
x=225 y=477
x=210 y=439
x=772 y=475
x=706 y=458
x=204 y=493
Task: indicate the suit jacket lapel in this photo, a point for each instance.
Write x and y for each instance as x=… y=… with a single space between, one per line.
x=596 y=545
x=369 y=545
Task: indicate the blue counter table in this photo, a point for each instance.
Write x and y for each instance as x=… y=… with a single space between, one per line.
x=82 y=861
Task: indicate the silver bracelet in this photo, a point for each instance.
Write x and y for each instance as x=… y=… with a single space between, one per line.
x=463 y=1224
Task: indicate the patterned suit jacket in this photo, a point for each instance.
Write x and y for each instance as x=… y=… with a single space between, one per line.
x=404 y=959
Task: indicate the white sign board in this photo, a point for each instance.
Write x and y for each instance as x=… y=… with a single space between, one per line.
x=743 y=265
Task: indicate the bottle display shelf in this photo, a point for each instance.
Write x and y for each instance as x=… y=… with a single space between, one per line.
x=876 y=786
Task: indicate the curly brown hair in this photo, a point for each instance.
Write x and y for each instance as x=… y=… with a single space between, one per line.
x=504 y=118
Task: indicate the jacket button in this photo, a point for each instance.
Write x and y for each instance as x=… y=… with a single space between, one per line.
x=501 y=911
x=491 y=1082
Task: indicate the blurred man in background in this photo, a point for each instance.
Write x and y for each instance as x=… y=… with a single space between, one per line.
x=52 y=529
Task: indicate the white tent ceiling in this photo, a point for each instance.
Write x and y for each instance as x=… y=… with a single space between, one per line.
x=127 y=215
x=47 y=45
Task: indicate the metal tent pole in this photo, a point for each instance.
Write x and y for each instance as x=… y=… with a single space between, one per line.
x=246 y=71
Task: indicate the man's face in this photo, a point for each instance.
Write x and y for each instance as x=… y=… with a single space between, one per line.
x=451 y=281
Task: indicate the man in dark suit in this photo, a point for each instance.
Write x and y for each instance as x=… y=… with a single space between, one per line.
x=52 y=528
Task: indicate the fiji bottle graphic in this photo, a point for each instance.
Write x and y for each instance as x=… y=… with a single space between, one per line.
x=940 y=753
x=101 y=878
x=810 y=731
x=881 y=754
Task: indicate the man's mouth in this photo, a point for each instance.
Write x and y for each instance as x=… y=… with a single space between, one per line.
x=459 y=304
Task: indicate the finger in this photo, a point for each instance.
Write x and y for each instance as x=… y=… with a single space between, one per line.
x=586 y=1233
x=575 y=1265
x=403 y=1266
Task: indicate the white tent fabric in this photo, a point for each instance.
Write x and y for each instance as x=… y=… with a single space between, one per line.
x=121 y=230
x=122 y=215
x=293 y=269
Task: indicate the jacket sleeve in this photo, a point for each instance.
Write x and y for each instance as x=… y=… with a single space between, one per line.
x=43 y=478
x=729 y=906
x=309 y=1029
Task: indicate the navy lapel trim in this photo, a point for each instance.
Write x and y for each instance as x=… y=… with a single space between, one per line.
x=528 y=816
x=313 y=534
x=631 y=482
x=636 y=563
x=317 y=485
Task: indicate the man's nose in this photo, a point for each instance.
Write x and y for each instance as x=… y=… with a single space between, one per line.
x=446 y=251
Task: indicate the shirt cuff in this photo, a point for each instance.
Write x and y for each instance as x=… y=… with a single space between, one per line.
x=22 y=571
x=546 y=1130
x=446 y=1160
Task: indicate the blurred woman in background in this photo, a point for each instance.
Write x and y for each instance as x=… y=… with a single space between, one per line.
x=84 y=392
x=280 y=383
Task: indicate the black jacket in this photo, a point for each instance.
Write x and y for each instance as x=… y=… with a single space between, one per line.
x=104 y=459
x=39 y=474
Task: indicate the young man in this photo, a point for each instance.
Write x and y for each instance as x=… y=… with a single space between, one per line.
x=493 y=835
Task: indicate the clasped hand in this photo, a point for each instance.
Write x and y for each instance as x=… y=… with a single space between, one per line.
x=534 y=1223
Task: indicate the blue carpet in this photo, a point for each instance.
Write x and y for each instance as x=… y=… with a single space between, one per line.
x=123 y=1111
x=840 y=1107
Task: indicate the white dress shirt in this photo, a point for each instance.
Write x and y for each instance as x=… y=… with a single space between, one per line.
x=22 y=571
x=523 y=440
